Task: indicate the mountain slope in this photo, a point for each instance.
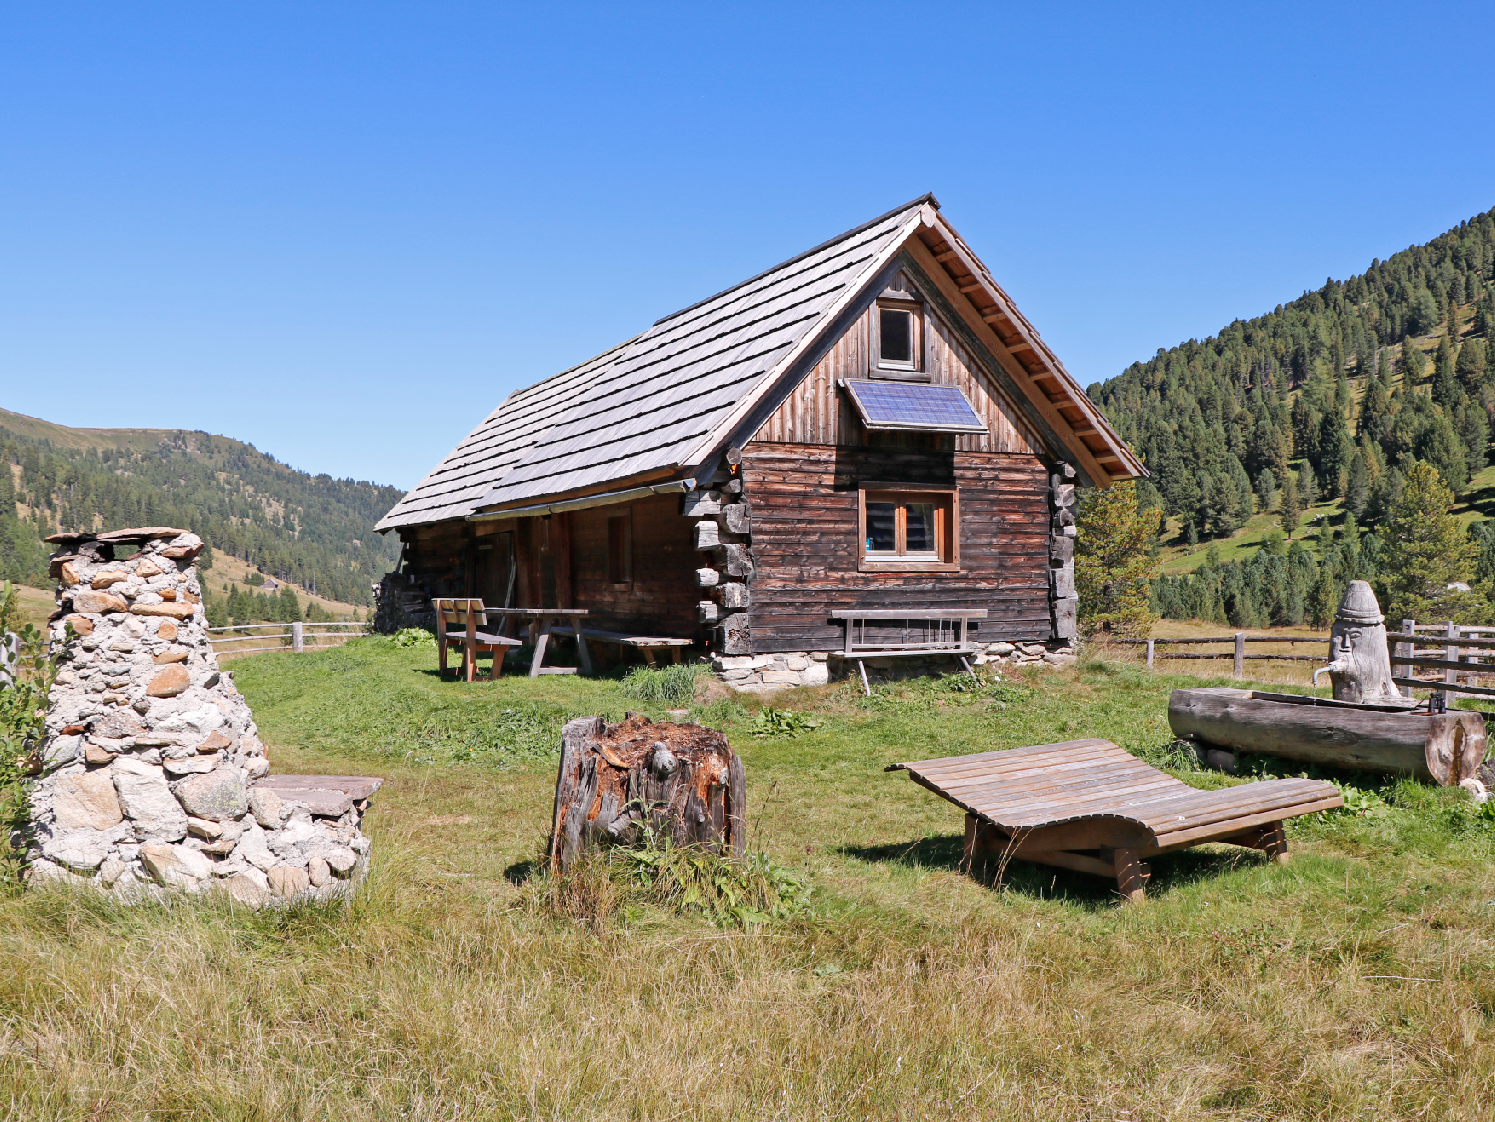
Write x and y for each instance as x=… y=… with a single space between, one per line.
x=1342 y=388
x=314 y=531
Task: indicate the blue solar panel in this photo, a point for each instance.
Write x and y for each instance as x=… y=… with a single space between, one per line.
x=905 y=405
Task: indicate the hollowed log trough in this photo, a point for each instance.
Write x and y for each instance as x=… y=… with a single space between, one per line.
x=683 y=781
x=1442 y=748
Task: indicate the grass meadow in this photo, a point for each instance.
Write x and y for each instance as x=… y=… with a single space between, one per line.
x=1355 y=982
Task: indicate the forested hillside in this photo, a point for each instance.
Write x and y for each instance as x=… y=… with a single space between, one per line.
x=314 y=531
x=1350 y=383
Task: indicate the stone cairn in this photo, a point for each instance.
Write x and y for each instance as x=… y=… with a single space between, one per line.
x=152 y=776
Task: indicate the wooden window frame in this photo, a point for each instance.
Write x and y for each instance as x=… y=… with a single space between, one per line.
x=625 y=559
x=913 y=370
x=946 y=522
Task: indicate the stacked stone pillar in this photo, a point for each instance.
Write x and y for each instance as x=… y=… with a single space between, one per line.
x=1062 y=597
x=723 y=529
x=152 y=775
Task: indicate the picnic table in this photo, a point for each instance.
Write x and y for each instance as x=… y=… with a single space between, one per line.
x=459 y=620
x=542 y=624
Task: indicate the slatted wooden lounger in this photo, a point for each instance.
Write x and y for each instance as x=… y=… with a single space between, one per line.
x=1093 y=807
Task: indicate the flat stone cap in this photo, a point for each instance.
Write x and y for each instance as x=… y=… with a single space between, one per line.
x=133 y=534
x=356 y=787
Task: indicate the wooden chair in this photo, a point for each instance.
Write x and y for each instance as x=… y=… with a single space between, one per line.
x=1093 y=807
x=457 y=623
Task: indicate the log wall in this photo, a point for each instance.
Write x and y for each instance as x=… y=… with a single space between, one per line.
x=661 y=598
x=804 y=534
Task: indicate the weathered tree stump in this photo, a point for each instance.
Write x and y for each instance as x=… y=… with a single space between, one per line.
x=684 y=781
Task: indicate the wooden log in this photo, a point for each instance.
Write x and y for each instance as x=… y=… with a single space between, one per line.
x=1444 y=748
x=682 y=781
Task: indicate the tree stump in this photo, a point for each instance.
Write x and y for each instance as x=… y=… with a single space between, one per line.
x=684 y=781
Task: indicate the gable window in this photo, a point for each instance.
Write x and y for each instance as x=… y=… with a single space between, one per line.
x=620 y=550
x=909 y=527
x=899 y=343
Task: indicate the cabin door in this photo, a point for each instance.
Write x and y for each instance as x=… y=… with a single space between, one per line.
x=497 y=571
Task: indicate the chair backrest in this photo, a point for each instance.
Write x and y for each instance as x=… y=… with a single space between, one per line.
x=452 y=613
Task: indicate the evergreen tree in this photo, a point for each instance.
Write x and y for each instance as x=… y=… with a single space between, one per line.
x=1411 y=363
x=1473 y=427
x=1446 y=390
x=1308 y=488
x=1426 y=551
x=1266 y=488
x=1114 y=566
x=1290 y=506
x=1470 y=366
x=1357 y=485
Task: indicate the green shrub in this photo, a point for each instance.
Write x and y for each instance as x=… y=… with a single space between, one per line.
x=781 y=722
x=413 y=637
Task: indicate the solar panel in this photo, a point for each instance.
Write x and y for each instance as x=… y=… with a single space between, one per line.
x=913 y=405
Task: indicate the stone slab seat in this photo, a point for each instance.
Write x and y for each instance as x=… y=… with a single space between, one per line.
x=1091 y=806
x=326 y=796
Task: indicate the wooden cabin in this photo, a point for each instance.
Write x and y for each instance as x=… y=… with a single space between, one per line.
x=870 y=425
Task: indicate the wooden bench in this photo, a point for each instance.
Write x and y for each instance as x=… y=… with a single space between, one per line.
x=648 y=644
x=943 y=631
x=1093 y=807
x=457 y=622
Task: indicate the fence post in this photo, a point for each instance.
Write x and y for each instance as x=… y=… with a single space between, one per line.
x=1451 y=652
x=296 y=637
x=1407 y=649
x=1240 y=654
x=1150 y=644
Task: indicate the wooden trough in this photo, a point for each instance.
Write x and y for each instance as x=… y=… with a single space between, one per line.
x=1443 y=748
x=1091 y=806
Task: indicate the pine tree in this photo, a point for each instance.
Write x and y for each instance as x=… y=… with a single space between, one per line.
x=1357 y=484
x=1266 y=488
x=1470 y=366
x=1290 y=506
x=1411 y=363
x=1308 y=488
x=1114 y=566
x=1426 y=551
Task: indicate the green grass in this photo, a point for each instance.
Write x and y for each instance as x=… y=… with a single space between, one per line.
x=1356 y=982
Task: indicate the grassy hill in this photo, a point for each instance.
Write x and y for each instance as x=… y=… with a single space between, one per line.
x=261 y=518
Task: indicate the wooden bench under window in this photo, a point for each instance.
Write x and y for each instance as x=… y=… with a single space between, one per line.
x=647 y=644
x=935 y=631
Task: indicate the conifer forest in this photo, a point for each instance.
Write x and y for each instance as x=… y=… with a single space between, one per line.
x=312 y=530
x=1333 y=396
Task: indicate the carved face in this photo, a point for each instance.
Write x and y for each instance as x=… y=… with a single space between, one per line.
x=1346 y=639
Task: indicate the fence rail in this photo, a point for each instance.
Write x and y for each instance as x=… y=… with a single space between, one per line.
x=1237 y=653
x=299 y=634
x=1464 y=655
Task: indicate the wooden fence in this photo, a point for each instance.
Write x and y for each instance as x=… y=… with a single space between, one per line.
x=300 y=637
x=1237 y=652
x=1465 y=653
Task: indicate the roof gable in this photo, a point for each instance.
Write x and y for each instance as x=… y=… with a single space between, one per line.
x=665 y=401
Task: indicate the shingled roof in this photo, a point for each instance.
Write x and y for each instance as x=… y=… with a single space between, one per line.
x=663 y=404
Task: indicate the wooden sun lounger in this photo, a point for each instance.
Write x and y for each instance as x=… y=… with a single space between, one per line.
x=1093 y=807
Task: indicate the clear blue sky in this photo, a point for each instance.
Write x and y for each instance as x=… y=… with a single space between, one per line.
x=345 y=232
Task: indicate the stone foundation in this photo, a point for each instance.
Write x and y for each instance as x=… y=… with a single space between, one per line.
x=151 y=776
x=782 y=671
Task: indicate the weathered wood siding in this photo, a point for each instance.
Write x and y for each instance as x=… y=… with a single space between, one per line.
x=816 y=412
x=662 y=597
x=804 y=517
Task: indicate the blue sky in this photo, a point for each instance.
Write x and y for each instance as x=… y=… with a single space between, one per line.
x=345 y=232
